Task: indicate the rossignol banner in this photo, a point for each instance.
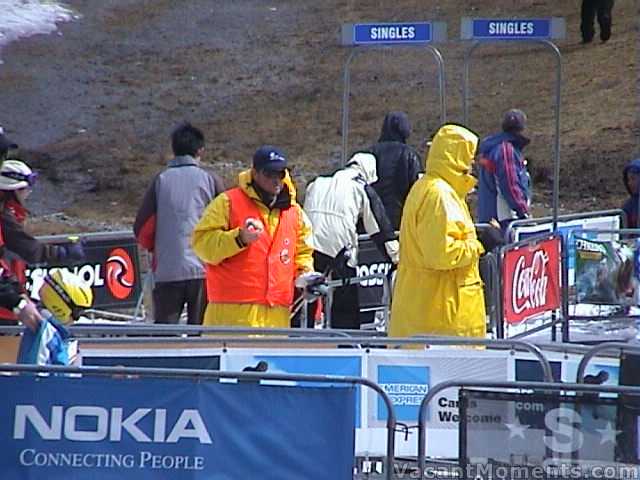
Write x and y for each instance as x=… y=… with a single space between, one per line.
x=69 y=428
x=110 y=266
x=371 y=262
x=531 y=280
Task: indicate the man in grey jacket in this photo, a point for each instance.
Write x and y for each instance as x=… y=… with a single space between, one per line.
x=170 y=210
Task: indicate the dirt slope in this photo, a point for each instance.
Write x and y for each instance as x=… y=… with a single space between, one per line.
x=94 y=106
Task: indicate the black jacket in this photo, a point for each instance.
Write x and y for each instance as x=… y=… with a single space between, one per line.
x=398 y=165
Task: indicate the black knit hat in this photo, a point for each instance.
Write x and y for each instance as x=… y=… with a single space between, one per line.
x=514 y=120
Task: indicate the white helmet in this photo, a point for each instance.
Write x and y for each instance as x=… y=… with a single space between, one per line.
x=16 y=175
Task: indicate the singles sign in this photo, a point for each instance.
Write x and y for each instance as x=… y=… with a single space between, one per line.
x=405 y=33
x=531 y=280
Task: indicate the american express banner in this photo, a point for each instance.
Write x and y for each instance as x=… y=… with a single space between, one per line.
x=70 y=428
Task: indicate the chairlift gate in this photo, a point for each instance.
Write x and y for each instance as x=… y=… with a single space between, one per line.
x=532 y=30
x=376 y=36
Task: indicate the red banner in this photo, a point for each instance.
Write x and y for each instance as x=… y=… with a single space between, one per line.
x=531 y=280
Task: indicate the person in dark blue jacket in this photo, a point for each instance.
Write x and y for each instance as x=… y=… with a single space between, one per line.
x=397 y=164
x=504 y=184
x=631 y=177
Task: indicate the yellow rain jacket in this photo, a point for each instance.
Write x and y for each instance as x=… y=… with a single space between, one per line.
x=438 y=290
x=213 y=242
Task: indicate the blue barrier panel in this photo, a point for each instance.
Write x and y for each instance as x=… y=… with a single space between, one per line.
x=327 y=363
x=147 y=428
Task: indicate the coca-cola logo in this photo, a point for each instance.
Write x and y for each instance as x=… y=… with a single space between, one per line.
x=529 y=288
x=120 y=273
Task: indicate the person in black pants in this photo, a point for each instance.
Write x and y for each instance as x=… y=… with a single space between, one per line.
x=590 y=9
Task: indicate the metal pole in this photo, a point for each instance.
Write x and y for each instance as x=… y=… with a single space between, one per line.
x=465 y=82
x=500 y=294
x=582 y=366
x=346 y=93
x=564 y=271
x=441 y=83
x=556 y=159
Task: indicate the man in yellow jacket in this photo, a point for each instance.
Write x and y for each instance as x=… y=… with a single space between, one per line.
x=255 y=241
x=438 y=290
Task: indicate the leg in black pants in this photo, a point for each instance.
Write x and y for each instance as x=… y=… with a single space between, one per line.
x=345 y=309
x=196 y=297
x=587 y=16
x=346 y=306
x=169 y=299
x=604 y=19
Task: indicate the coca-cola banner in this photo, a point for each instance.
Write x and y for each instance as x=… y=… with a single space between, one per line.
x=531 y=280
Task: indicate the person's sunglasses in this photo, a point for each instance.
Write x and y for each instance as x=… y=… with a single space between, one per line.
x=273 y=174
x=21 y=177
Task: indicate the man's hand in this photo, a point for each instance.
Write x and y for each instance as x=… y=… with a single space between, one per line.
x=491 y=238
x=313 y=284
x=30 y=316
x=251 y=231
x=393 y=250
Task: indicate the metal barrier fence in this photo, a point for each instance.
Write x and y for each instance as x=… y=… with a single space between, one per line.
x=539 y=386
x=613 y=218
x=530 y=231
x=167 y=330
x=210 y=375
x=226 y=341
x=591 y=353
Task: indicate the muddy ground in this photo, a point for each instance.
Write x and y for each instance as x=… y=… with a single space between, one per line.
x=93 y=107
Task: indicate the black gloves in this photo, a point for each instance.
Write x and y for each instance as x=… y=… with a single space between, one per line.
x=490 y=238
x=71 y=251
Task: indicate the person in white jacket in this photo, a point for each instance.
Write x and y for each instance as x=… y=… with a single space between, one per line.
x=335 y=204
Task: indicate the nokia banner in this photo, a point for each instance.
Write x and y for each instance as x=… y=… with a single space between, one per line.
x=75 y=428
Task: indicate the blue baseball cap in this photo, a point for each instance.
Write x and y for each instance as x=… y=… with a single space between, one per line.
x=268 y=157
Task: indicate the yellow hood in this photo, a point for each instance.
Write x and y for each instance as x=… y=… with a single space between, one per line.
x=451 y=155
x=244 y=182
